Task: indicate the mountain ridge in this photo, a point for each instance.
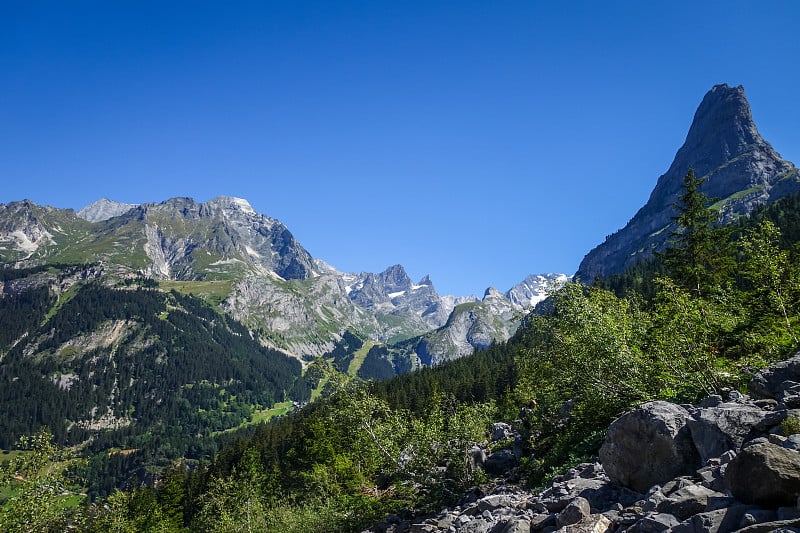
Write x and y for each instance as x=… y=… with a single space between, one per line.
x=741 y=170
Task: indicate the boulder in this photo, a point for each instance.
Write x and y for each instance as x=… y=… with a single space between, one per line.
x=765 y=474
x=501 y=431
x=719 y=521
x=651 y=444
x=772 y=527
x=595 y=523
x=516 y=525
x=500 y=462
x=687 y=501
x=653 y=523
x=577 y=510
x=766 y=383
x=715 y=430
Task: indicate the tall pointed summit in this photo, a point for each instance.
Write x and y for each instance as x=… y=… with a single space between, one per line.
x=740 y=168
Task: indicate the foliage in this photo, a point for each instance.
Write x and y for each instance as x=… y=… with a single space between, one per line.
x=42 y=487
x=791 y=425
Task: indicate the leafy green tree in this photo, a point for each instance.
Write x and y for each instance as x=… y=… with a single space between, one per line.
x=686 y=340
x=44 y=491
x=770 y=270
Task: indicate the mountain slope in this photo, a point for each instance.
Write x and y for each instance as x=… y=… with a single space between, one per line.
x=741 y=170
x=119 y=365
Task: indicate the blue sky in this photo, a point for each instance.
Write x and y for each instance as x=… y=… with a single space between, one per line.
x=477 y=142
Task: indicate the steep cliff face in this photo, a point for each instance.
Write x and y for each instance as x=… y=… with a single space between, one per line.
x=741 y=170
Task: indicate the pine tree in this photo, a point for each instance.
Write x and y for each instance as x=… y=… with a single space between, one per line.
x=698 y=257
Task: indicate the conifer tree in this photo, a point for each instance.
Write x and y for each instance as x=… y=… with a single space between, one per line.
x=698 y=257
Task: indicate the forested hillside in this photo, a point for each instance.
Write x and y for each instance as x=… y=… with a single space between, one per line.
x=150 y=374
x=720 y=303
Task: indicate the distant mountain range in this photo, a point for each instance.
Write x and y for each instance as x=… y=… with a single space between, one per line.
x=252 y=267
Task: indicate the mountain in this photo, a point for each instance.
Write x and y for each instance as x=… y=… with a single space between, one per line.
x=534 y=288
x=103 y=209
x=129 y=367
x=741 y=170
x=247 y=263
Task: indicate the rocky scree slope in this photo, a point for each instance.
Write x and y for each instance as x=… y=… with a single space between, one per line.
x=721 y=466
x=740 y=169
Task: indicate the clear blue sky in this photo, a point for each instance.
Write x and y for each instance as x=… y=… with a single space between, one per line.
x=477 y=142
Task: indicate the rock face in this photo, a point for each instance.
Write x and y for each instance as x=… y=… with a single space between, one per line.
x=723 y=146
x=103 y=209
x=393 y=293
x=649 y=445
x=534 y=288
x=472 y=325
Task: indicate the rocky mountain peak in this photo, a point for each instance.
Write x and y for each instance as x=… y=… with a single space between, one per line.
x=395 y=278
x=491 y=292
x=740 y=169
x=232 y=204
x=103 y=209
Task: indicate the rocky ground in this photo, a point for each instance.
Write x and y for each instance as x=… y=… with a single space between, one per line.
x=725 y=465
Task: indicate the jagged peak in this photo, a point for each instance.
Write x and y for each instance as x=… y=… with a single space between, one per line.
x=723 y=123
x=103 y=209
x=232 y=202
x=491 y=292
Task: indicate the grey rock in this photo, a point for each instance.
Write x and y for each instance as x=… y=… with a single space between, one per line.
x=576 y=511
x=649 y=445
x=515 y=525
x=753 y=442
x=715 y=430
x=766 y=383
x=772 y=527
x=712 y=401
x=758 y=516
x=501 y=431
x=687 y=501
x=719 y=521
x=477 y=457
x=490 y=503
x=712 y=477
x=653 y=523
x=765 y=474
x=500 y=462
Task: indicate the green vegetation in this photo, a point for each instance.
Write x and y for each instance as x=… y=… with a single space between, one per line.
x=214 y=292
x=696 y=320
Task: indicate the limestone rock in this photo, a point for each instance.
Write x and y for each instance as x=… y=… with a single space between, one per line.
x=723 y=427
x=765 y=474
x=766 y=383
x=649 y=445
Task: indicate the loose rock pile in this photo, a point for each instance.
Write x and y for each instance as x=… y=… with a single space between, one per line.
x=722 y=466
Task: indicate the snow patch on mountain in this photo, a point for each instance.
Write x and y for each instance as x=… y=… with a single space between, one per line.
x=535 y=288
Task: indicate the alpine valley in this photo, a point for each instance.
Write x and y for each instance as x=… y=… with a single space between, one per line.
x=153 y=340
x=187 y=320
